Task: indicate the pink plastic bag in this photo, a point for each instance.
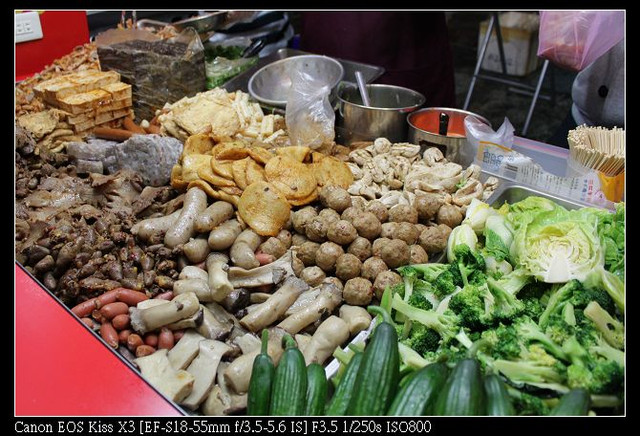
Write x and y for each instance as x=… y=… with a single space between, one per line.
x=574 y=39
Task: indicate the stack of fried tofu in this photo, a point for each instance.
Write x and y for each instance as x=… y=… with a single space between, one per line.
x=88 y=99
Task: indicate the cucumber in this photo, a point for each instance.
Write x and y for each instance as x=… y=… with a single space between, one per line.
x=317 y=388
x=576 y=402
x=289 y=389
x=498 y=399
x=463 y=393
x=420 y=391
x=259 y=394
x=340 y=400
x=377 y=380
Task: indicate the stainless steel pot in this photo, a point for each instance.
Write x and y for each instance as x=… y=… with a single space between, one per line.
x=385 y=118
x=443 y=128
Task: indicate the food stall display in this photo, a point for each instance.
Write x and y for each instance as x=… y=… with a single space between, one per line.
x=241 y=274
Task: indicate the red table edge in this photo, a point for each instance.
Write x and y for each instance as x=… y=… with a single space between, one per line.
x=27 y=288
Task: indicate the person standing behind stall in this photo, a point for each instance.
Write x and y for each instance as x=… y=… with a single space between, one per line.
x=412 y=47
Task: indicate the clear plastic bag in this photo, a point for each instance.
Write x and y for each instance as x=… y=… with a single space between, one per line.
x=309 y=115
x=479 y=134
x=574 y=39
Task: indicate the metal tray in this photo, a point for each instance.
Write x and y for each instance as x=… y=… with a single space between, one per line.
x=506 y=191
x=513 y=192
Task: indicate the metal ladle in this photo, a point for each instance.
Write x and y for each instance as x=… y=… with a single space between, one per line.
x=362 y=86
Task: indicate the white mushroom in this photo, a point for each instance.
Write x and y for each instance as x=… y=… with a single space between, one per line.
x=432 y=156
x=185 y=350
x=332 y=333
x=275 y=307
x=175 y=384
x=326 y=301
x=463 y=196
x=221 y=400
x=203 y=368
x=272 y=273
x=151 y=318
x=217 y=277
x=356 y=317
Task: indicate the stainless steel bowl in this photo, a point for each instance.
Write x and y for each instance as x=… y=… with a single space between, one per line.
x=424 y=131
x=270 y=84
x=386 y=117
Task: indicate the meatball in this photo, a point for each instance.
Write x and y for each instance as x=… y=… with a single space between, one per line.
x=334 y=281
x=378 y=208
x=388 y=230
x=367 y=225
x=427 y=205
x=372 y=267
x=350 y=213
x=407 y=232
x=327 y=255
x=377 y=245
x=450 y=215
x=418 y=255
x=289 y=224
x=358 y=202
x=446 y=230
x=342 y=232
x=396 y=253
x=302 y=217
x=316 y=229
x=329 y=216
x=307 y=253
x=274 y=247
x=384 y=279
x=358 y=292
x=403 y=212
x=313 y=275
x=298 y=239
x=335 y=197
x=348 y=266
x=361 y=248
x=420 y=228
x=296 y=265
x=285 y=237
x=434 y=239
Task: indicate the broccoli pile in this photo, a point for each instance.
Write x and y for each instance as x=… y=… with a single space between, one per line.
x=542 y=338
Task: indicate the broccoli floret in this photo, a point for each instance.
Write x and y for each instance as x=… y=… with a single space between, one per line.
x=533 y=289
x=529 y=331
x=558 y=298
x=580 y=300
x=607 y=378
x=611 y=329
x=558 y=330
x=445 y=324
x=474 y=305
x=422 y=339
x=447 y=281
x=527 y=404
x=599 y=377
x=417 y=299
x=507 y=307
x=532 y=307
x=503 y=342
x=426 y=271
x=470 y=264
x=397 y=289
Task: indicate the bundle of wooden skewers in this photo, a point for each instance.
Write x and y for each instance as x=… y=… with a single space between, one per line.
x=598 y=148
